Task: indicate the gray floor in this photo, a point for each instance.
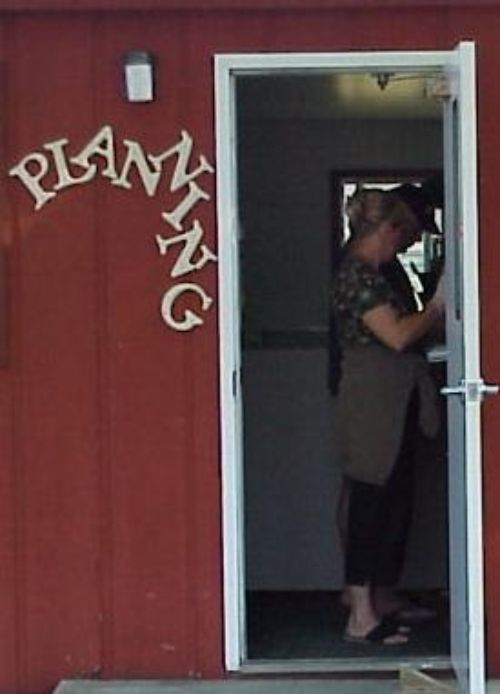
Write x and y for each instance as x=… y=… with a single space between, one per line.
x=288 y=626
x=256 y=687
x=232 y=687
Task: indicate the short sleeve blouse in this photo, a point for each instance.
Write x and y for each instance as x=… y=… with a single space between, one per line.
x=357 y=288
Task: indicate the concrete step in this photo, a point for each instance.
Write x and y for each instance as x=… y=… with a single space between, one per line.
x=260 y=686
x=404 y=685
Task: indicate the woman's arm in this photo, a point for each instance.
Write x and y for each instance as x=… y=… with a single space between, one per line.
x=399 y=332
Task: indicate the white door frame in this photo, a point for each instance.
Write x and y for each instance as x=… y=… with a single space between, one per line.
x=227 y=68
x=465 y=388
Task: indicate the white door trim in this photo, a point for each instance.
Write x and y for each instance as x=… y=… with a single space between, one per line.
x=227 y=68
x=229 y=368
x=465 y=53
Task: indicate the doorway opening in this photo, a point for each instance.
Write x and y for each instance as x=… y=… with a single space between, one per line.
x=304 y=144
x=295 y=136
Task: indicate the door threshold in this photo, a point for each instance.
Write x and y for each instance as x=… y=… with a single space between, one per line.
x=344 y=665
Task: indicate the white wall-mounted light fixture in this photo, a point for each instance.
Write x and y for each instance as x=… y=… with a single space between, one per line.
x=139 y=76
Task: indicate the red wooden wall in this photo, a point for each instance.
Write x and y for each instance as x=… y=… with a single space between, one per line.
x=110 y=558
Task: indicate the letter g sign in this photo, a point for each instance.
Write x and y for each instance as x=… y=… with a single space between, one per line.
x=190 y=319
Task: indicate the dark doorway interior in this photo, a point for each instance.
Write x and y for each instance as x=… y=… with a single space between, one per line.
x=296 y=135
x=309 y=625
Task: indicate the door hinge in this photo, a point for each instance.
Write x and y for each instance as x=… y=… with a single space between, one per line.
x=438 y=88
x=473 y=390
x=236 y=379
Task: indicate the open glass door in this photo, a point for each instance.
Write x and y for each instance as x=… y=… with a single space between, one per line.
x=464 y=384
x=465 y=387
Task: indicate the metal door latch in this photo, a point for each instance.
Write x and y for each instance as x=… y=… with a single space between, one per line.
x=472 y=391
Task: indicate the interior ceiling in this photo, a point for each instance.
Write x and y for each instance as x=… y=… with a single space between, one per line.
x=338 y=95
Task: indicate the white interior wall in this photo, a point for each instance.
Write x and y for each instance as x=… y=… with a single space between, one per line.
x=291 y=475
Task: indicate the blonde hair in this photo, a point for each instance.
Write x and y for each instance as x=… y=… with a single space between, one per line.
x=368 y=208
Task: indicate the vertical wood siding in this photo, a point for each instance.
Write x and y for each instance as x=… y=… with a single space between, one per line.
x=54 y=364
x=109 y=483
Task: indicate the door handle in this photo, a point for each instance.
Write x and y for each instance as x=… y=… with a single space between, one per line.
x=453 y=390
x=490 y=389
x=472 y=390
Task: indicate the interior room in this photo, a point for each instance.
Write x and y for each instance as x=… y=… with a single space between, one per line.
x=305 y=141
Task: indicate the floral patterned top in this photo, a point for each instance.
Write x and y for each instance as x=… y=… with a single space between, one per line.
x=357 y=288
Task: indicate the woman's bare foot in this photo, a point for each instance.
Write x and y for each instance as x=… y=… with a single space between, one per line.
x=364 y=624
x=388 y=601
x=345 y=601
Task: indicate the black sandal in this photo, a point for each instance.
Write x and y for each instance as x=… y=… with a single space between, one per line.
x=384 y=630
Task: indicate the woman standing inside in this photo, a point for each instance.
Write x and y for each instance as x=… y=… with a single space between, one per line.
x=385 y=387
